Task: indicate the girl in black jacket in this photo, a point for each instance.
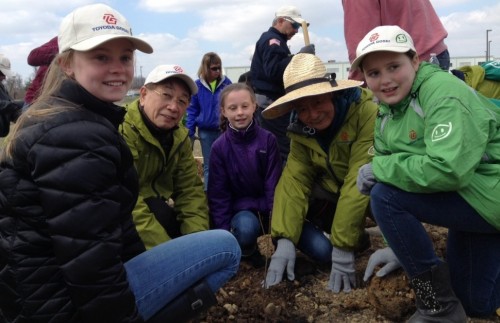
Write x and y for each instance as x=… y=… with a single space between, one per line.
x=69 y=251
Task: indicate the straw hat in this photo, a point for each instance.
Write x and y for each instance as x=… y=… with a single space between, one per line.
x=305 y=76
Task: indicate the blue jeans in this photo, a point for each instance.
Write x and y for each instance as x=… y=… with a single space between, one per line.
x=246 y=227
x=207 y=138
x=314 y=244
x=159 y=275
x=473 y=245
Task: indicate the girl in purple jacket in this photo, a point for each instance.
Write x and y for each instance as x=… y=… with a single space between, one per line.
x=245 y=166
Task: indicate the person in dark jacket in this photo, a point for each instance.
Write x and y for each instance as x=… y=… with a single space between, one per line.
x=9 y=109
x=203 y=112
x=245 y=168
x=270 y=58
x=69 y=249
x=40 y=57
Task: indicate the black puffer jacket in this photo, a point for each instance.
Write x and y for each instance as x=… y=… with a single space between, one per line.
x=66 y=229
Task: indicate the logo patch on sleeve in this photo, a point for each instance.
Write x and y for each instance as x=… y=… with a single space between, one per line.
x=441 y=131
x=274 y=41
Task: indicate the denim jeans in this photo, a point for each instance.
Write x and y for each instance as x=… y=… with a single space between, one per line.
x=473 y=245
x=246 y=228
x=315 y=244
x=277 y=126
x=159 y=275
x=207 y=138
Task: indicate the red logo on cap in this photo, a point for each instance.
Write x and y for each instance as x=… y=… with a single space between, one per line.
x=109 y=19
x=178 y=69
x=374 y=37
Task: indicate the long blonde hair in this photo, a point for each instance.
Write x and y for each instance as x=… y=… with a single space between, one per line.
x=41 y=108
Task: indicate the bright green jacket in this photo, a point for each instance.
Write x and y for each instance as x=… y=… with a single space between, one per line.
x=175 y=177
x=443 y=137
x=334 y=170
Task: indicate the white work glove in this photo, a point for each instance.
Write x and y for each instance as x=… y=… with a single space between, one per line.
x=343 y=272
x=284 y=256
x=365 y=180
x=381 y=256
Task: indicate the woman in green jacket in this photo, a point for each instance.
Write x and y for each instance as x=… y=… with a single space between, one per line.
x=437 y=160
x=316 y=204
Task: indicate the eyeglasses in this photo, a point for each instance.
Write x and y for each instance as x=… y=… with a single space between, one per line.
x=168 y=99
x=215 y=68
x=295 y=25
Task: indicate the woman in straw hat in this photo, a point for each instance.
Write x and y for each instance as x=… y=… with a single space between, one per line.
x=316 y=194
x=69 y=251
x=437 y=160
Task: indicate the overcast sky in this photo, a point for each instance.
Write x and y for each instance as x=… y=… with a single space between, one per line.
x=181 y=31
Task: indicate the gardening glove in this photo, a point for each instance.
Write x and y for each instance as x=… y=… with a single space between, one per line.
x=381 y=256
x=343 y=272
x=308 y=49
x=365 y=180
x=284 y=256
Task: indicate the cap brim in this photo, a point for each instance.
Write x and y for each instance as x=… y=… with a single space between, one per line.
x=193 y=88
x=6 y=72
x=93 y=42
x=284 y=104
x=189 y=81
x=298 y=19
x=357 y=61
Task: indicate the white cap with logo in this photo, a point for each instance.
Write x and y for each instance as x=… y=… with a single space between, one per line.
x=5 y=66
x=89 y=26
x=383 y=38
x=290 y=12
x=163 y=72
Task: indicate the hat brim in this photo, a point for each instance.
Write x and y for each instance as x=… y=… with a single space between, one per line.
x=189 y=81
x=193 y=88
x=357 y=61
x=284 y=104
x=298 y=19
x=6 y=72
x=93 y=42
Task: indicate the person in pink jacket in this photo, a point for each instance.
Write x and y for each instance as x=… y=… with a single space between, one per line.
x=40 y=57
x=417 y=17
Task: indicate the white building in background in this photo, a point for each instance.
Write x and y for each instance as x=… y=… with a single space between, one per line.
x=342 y=68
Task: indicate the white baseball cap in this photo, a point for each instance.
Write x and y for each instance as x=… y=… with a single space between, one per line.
x=290 y=12
x=383 y=38
x=89 y=26
x=5 y=66
x=163 y=72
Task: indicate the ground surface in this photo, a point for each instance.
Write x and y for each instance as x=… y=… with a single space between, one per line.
x=389 y=299
x=307 y=300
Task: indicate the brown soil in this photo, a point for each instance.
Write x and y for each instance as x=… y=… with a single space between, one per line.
x=388 y=299
x=306 y=299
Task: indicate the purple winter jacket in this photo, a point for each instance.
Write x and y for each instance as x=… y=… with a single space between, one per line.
x=245 y=167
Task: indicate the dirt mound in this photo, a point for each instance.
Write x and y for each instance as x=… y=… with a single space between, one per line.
x=389 y=299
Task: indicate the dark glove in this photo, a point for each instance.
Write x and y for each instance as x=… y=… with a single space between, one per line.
x=343 y=272
x=308 y=49
x=382 y=256
x=365 y=180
